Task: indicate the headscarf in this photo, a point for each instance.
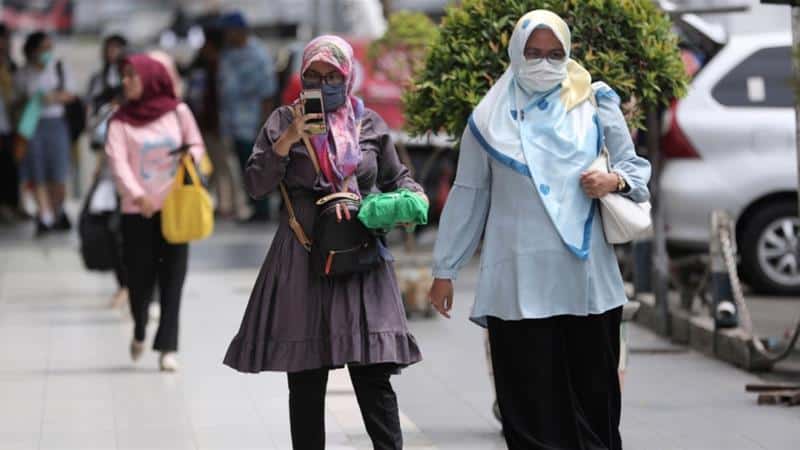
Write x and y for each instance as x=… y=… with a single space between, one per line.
x=338 y=151
x=158 y=93
x=550 y=137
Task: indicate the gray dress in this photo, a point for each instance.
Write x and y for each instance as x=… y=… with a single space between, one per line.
x=297 y=321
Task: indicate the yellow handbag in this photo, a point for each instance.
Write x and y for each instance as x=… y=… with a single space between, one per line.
x=187 y=214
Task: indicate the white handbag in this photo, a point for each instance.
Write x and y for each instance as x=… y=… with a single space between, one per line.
x=623 y=219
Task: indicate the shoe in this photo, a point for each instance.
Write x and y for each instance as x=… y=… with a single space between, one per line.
x=137 y=348
x=63 y=223
x=42 y=229
x=168 y=362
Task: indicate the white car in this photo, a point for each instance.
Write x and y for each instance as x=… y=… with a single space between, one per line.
x=730 y=144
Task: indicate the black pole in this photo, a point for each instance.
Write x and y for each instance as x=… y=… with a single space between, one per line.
x=660 y=279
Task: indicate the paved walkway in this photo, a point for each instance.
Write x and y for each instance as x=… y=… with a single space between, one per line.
x=66 y=381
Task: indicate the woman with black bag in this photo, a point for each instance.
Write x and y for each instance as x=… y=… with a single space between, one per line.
x=99 y=225
x=317 y=305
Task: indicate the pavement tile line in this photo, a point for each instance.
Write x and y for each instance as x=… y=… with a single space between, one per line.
x=344 y=408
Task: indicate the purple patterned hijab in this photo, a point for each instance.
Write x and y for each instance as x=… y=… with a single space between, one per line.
x=339 y=151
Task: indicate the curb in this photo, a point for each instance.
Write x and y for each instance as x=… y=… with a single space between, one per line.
x=730 y=345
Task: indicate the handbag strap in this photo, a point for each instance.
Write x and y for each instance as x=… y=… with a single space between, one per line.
x=604 y=148
x=294 y=224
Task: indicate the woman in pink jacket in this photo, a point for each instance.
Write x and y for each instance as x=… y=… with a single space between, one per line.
x=141 y=138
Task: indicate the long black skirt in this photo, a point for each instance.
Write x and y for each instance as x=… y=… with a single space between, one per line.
x=556 y=381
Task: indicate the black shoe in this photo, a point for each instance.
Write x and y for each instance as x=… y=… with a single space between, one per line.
x=42 y=229
x=63 y=223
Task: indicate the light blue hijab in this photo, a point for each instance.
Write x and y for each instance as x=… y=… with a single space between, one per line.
x=550 y=137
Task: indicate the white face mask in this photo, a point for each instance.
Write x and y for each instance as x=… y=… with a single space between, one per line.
x=541 y=76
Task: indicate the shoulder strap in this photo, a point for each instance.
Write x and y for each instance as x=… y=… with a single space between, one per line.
x=294 y=224
x=60 y=73
x=593 y=98
x=180 y=128
x=312 y=154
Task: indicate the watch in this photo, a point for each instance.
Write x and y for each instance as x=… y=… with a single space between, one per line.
x=621 y=184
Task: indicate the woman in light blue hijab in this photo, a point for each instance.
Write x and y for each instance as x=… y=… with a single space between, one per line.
x=550 y=291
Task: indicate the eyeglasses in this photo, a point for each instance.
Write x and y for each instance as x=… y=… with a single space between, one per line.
x=553 y=56
x=332 y=78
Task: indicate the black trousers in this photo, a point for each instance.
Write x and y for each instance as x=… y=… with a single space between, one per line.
x=150 y=261
x=113 y=235
x=556 y=381
x=375 y=395
x=9 y=174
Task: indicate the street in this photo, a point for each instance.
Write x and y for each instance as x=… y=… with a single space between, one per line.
x=67 y=382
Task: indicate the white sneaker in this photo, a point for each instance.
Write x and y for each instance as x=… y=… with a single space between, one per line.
x=137 y=348
x=168 y=362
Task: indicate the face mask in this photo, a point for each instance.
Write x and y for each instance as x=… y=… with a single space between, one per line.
x=45 y=57
x=334 y=96
x=541 y=76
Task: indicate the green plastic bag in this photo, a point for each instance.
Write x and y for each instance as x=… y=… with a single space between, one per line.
x=29 y=118
x=387 y=210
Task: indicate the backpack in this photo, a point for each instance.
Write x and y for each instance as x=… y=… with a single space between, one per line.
x=74 y=111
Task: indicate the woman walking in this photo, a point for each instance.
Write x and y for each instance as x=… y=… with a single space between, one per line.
x=103 y=97
x=142 y=137
x=297 y=321
x=550 y=290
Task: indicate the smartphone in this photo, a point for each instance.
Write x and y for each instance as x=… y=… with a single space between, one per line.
x=312 y=104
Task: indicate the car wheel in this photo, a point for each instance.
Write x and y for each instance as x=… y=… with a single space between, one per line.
x=770 y=249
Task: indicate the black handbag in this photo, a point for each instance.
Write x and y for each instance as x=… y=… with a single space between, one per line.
x=98 y=236
x=341 y=244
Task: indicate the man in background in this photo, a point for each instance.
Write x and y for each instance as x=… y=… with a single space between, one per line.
x=247 y=85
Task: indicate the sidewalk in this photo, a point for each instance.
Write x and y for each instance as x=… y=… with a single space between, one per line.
x=66 y=380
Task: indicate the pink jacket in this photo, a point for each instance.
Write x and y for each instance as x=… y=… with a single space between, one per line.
x=139 y=156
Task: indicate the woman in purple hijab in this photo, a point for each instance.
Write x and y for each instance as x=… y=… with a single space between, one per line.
x=306 y=325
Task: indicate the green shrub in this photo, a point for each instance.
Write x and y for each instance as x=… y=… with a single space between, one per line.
x=626 y=43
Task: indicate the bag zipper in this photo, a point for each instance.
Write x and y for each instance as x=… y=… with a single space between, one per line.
x=332 y=253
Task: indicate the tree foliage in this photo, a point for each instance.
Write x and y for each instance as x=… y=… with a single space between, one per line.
x=628 y=44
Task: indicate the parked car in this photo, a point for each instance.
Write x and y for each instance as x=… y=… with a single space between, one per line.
x=730 y=144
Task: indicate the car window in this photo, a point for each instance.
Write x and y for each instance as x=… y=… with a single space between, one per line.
x=761 y=80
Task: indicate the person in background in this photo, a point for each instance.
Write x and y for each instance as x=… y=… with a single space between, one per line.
x=9 y=172
x=202 y=96
x=105 y=85
x=247 y=85
x=46 y=162
x=142 y=135
x=103 y=97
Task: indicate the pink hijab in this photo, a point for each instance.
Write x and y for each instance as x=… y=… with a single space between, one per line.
x=339 y=151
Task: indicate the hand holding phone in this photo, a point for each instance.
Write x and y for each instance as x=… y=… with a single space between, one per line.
x=302 y=126
x=314 y=110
